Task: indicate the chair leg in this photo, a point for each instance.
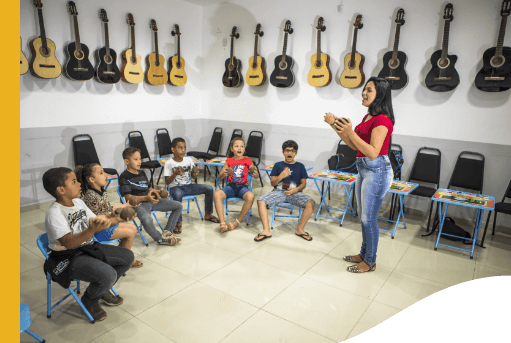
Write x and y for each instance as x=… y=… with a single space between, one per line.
x=81 y=305
x=161 y=227
x=486 y=228
x=161 y=171
x=35 y=336
x=77 y=286
x=48 y=294
x=391 y=206
x=259 y=173
x=430 y=211
x=273 y=217
x=198 y=208
x=494 y=223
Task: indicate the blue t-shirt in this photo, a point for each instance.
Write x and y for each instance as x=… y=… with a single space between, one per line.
x=298 y=172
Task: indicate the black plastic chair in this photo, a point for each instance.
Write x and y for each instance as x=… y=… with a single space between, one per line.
x=214 y=146
x=501 y=207
x=84 y=152
x=426 y=168
x=468 y=172
x=164 y=145
x=254 y=149
x=136 y=140
x=345 y=160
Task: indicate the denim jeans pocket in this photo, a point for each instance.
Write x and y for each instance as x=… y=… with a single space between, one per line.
x=375 y=164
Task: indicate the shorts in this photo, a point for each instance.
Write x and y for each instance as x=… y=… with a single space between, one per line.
x=277 y=196
x=235 y=190
x=105 y=235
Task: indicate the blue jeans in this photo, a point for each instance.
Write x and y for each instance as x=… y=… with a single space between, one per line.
x=178 y=192
x=373 y=182
x=163 y=205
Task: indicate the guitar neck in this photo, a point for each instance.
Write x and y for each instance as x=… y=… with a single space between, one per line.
x=232 y=49
x=318 y=55
x=41 y=27
x=502 y=31
x=284 y=50
x=255 y=51
x=445 y=43
x=107 y=40
x=179 y=49
x=354 y=48
x=156 y=48
x=77 y=34
x=134 y=53
x=396 y=42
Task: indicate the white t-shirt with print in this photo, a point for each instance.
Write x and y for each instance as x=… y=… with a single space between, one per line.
x=180 y=180
x=61 y=220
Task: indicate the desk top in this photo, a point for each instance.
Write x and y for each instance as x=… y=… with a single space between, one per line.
x=163 y=160
x=483 y=202
x=334 y=176
x=270 y=167
x=402 y=187
x=217 y=161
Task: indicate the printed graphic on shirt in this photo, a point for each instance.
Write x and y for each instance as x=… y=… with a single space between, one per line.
x=78 y=221
x=141 y=183
x=183 y=179
x=238 y=173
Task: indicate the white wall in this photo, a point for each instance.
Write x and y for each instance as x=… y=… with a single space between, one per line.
x=62 y=102
x=465 y=114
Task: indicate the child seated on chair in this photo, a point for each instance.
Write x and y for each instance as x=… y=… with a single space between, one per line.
x=93 y=180
x=134 y=187
x=74 y=254
x=237 y=168
x=289 y=179
x=178 y=173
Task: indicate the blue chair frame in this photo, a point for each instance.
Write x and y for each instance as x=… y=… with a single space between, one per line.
x=25 y=322
x=186 y=197
x=42 y=243
x=234 y=199
x=285 y=205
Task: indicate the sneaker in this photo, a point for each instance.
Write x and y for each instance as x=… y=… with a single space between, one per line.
x=95 y=310
x=111 y=300
x=169 y=240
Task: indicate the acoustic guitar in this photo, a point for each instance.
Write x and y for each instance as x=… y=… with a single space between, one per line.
x=283 y=76
x=256 y=73
x=177 y=74
x=320 y=74
x=232 y=76
x=107 y=70
x=353 y=75
x=443 y=77
x=156 y=73
x=495 y=75
x=394 y=61
x=23 y=60
x=78 y=66
x=131 y=69
x=43 y=63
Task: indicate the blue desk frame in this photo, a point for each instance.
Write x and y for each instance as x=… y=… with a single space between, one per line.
x=217 y=164
x=401 y=196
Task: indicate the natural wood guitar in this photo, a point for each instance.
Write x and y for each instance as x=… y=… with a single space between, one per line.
x=353 y=74
x=283 y=76
x=177 y=73
x=232 y=76
x=43 y=63
x=156 y=73
x=78 y=66
x=23 y=60
x=320 y=74
x=107 y=70
x=256 y=73
x=131 y=69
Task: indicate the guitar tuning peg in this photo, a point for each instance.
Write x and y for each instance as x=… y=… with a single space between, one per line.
x=237 y=35
x=323 y=28
x=172 y=33
x=360 y=26
x=261 y=34
x=291 y=31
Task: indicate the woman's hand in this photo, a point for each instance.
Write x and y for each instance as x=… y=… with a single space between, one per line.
x=343 y=126
x=329 y=118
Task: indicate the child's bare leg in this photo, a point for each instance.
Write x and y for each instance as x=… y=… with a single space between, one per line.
x=249 y=201
x=263 y=214
x=306 y=213
x=218 y=198
x=126 y=232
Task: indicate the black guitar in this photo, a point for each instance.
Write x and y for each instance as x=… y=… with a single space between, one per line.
x=78 y=66
x=394 y=61
x=443 y=77
x=495 y=75
x=282 y=75
x=107 y=70
x=232 y=75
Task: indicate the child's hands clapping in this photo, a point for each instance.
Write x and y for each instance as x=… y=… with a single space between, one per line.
x=253 y=171
x=178 y=171
x=330 y=118
x=99 y=223
x=229 y=170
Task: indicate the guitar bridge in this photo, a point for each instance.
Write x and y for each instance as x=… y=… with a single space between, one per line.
x=281 y=77
x=46 y=66
x=157 y=75
x=392 y=78
x=317 y=76
x=80 y=69
x=133 y=73
x=179 y=76
x=253 y=77
x=350 y=77
x=109 y=72
x=442 y=78
x=495 y=78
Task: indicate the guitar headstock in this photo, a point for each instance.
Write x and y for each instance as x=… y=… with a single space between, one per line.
x=506 y=8
x=38 y=4
x=400 y=17
x=72 y=8
x=320 y=24
x=153 y=25
x=358 y=22
x=103 y=16
x=258 y=31
x=176 y=31
x=234 y=34
x=288 y=28
x=449 y=8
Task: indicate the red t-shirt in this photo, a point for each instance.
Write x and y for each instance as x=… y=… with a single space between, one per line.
x=240 y=168
x=364 y=130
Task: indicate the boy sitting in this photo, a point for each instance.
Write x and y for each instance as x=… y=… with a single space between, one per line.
x=178 y=171
x=135 y=188
x=70 y=225
x=288 y=178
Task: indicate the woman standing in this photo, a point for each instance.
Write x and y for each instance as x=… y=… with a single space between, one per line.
x=371 y=139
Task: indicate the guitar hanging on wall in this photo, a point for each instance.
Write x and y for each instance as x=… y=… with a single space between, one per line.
x=232 y=76
x=443 y=77
x=131 y=69
x=256 y=73
x=78 y=66
x=495 y=75
x=23 y=60
x=107 y=70
x=353 y=75
x=283 y=76
x=177 y=74
x=394 y=61
x=320 y=74
x=156 y=73
x=43 y=63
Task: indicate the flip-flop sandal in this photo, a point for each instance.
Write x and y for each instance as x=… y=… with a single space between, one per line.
x=303 y=235
x=137 y=264
x=177 y=230
x=223 y=227
x=261 y=235
x=212 y=219
x=354 y=269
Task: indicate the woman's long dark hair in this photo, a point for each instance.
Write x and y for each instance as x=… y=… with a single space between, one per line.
x=382 y=104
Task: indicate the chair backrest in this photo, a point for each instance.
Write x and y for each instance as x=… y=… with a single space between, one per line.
x=42 y=244
x=235 y=133
x=164 y=142
x=136 y=140
x=396 y=159
x=84 y=151
x=508 y=192
x=216 y=139
x=426 y=167
x=254 y=145
x=468 y=172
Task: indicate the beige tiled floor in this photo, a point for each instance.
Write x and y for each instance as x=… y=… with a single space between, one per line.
x=228 y=288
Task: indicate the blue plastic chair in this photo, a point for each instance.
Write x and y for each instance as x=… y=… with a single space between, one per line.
x=186 y=197
x=42 y=243
x=25 y=322
x=285 y=205
x=234 y=199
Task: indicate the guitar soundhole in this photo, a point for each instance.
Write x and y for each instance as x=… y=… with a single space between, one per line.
x=231 y=67
x=108 y=59
x=393 y=64
x=283 y=65
x=178 y=65
x=443 y=63
x=79 y=55
x=157 y=64
x=45 y=52
x=497 y=61
x=351 y=65
x=254 y=66
x=318 y=64
x=133 y=60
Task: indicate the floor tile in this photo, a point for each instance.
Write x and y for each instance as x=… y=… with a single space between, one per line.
x=132 y=331
x=495 y=256
x=240 y=240
x=428 y=244
x=29 y=261
x=29 y=233
x=32 y=247
x=154 y=249
x=375 y=314
x=483 y=271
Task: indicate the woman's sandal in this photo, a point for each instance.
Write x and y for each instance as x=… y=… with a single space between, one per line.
x=212 y=219
x=349 y=258
x=137 y=264
x=230 y=227
x=354 y=269
x=223 y=227
x=177 y=230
